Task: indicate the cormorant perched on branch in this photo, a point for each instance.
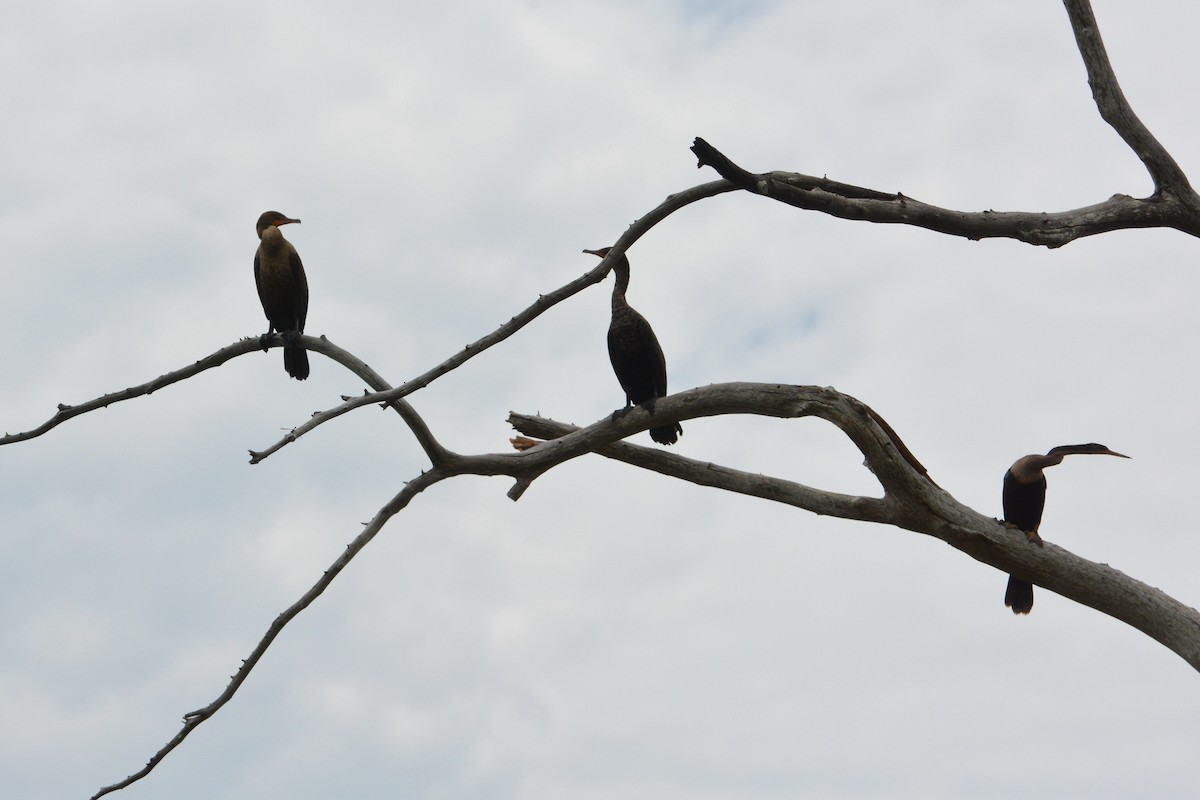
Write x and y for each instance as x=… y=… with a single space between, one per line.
x=282 y=288
x=636 y=355
x=1024 y=498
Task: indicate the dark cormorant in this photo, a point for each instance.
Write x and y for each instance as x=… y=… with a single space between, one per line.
x=1024 y=498
x=282 y=288
x=636 y=355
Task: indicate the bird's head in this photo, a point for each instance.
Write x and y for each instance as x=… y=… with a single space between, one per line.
x=1029 y=468
x=1091 y=448
x=620 y=268
x=271 y=219
x=621 y=263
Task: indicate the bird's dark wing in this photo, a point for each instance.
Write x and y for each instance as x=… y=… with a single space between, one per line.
x=1024 y=502
x=258 y=275
x=660 y=366
x=302 y=286
x=636 y=357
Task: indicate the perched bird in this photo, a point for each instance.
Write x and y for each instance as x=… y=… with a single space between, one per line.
x=282 y=288
x=1024 y=497
x=636 y=355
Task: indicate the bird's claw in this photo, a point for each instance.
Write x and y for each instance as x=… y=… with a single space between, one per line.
x=1032 y=536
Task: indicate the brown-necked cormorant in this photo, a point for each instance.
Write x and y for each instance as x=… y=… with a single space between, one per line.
x=282 y=288
x=1024 y=498
x=636 y=355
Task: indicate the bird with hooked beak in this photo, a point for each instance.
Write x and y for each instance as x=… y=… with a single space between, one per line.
x=636 y=356
x=282 y=289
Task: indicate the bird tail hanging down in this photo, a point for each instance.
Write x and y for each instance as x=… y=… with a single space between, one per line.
x=667 y=434
x=295 y=361
x=1019 y=595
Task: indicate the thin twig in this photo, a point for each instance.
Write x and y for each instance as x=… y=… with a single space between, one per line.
x=66 y=412
x=194 y=719
x=317 y=344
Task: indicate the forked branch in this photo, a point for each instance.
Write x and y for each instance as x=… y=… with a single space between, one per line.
x=1169 y=179
x=1174 y=204
x=239 y=348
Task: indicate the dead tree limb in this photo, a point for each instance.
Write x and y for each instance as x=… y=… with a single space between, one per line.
x=1173 y=204
x=194 y=719
x=910 y=501
x=1169 y=179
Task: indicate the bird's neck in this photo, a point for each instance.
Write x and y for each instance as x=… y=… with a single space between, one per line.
x=621 y=273
x=1029 y=468
x=272 y=239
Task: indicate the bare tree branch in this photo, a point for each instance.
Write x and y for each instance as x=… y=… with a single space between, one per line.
x=1049 y=229
x=910 y=502
x=706 y=473
x=1168 y=178
x=240 y=348
x=194 y=719
x=544 y=303
x=1174 y=204
x=66 y=412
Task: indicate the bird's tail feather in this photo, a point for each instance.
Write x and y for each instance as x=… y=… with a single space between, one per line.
x=295 y=361
x=1019 y=595
x=667 y=434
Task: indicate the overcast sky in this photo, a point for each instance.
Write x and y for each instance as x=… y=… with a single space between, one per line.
x=615 y=634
